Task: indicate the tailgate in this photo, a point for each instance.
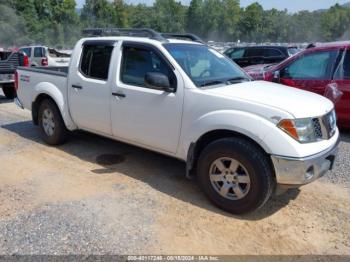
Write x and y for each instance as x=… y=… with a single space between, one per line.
x=60 y=61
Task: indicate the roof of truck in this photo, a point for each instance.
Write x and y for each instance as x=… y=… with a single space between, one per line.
x=140 y=39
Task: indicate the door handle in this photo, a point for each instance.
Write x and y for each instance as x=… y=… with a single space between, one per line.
x=77 y=86
x=118 y=94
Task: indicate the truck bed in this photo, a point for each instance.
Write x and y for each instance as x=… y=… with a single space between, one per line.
x=34 y=80
x=9 y=65
x=52 y=70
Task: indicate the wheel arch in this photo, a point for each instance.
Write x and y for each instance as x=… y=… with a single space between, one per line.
x=64 y=112
x=204 y=140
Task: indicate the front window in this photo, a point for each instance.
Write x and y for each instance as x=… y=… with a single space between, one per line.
x=205 y=66
x=343 y=71
x=138 y=61
x=312 y=66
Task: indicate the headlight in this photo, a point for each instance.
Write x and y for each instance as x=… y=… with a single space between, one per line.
x=301 y=130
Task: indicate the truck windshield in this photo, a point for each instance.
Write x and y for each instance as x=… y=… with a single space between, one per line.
x=205 y=66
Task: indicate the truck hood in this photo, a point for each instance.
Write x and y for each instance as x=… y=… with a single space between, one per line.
x=299 y=103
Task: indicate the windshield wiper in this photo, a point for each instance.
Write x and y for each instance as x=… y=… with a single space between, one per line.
x=238 y=78
x=211 y=83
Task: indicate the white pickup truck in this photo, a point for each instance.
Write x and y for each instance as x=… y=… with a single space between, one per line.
x=241 y=139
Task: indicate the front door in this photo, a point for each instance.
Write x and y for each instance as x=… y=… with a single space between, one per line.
x=143 y=115
x=342 y=78
x=89 y=88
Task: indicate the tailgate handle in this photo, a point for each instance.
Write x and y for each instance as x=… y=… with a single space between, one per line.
x=77 y=87
x=119 y=94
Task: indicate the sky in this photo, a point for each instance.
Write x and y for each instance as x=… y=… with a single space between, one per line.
x=291 y=5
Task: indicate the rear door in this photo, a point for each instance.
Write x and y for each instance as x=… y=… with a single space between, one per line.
x=342 y=78
x=311 y=72
x=89 y=89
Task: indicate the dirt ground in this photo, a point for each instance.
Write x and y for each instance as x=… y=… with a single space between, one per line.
x=95 y=195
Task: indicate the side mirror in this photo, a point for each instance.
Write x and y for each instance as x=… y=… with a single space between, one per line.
x=276 y=76
x=158 y=81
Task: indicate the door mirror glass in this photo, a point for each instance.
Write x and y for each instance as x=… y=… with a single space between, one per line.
x=158 y=81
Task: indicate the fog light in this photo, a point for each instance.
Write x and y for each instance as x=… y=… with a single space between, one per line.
x=309 y=173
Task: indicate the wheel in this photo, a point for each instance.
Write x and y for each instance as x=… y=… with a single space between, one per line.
x=9 y=91
x=52 y=127
x=235 y=175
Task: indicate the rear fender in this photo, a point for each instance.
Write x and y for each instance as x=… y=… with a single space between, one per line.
x=56 y=95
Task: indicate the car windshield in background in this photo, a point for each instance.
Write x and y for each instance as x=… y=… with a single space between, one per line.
x=205 y=66
x=293 y=50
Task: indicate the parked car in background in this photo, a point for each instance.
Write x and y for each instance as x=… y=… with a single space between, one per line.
x=241 y=138
x=4 y=54
x=254 y=55
x=7 y=72
x=314 y=69
x=44 y=56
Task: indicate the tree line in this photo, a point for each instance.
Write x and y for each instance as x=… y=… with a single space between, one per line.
x=59 y=23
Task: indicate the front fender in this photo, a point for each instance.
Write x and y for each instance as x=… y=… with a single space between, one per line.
x=55 y=93
x=253 y=126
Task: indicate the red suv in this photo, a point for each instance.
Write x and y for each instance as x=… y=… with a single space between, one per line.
x=314 y=69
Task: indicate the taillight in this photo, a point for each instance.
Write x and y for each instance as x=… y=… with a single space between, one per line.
x=44 y=62
x=25 y=61
x=16 y=80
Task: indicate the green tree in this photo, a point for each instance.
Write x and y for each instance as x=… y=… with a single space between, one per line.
x=230 y=19
x=251 y=23
x=97 y=13
x=194 y=17
x=168 y=16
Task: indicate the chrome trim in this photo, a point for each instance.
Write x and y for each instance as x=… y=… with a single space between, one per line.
x=301 y=171
x=328 y=124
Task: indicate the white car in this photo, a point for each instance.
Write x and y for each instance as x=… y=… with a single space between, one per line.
x=242 y=139
x=44 y=56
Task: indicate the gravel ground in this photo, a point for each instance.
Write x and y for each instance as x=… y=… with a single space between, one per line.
x=341 y=174
x=98 y=196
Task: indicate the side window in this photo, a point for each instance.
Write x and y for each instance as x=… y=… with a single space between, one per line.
x=316 y=66
x=254 y=52
x=237 y=54
x=343 y=72
x=270 y=52
x=95 y=61
x=136 y=62
x=27 y=51
x=38 y=52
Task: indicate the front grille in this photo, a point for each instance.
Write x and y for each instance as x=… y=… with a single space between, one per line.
x=317 y=128
x=325 y=126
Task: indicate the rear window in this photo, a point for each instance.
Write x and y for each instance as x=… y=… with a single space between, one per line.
x=38 y=52
x=95 y=61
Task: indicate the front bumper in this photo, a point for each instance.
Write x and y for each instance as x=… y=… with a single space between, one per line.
x=300 y=171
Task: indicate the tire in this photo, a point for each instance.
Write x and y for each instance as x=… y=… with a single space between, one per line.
x=244 y=182
x=9 y=91
x=52 y=127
